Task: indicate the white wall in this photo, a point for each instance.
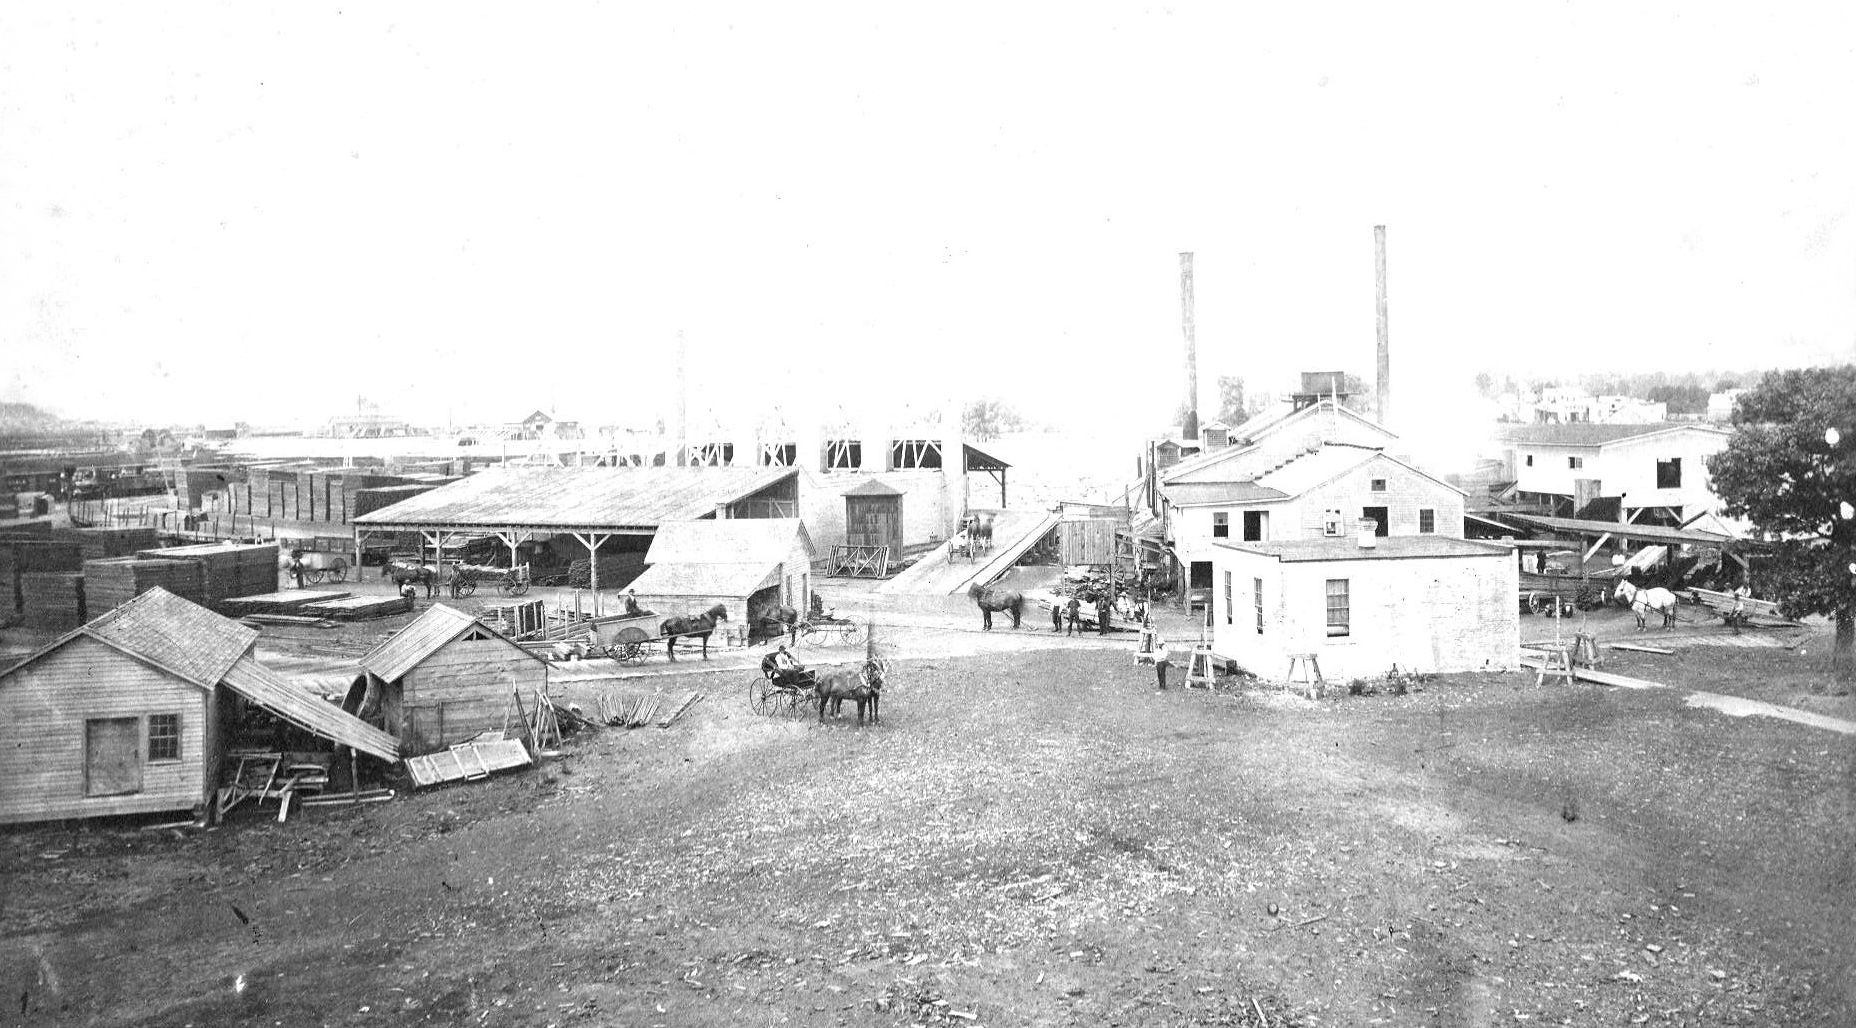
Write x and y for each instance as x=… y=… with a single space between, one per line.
x=1435 y=614
x=1628 y=467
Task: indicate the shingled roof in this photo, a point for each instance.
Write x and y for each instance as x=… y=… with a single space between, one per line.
x=437 y=626
x=576 y=498
x=174 y=634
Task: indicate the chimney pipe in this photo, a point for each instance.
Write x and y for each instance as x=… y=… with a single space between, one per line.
x=1367 y=532
x=1189 y=428
x=1383 y=393
x=682 y=427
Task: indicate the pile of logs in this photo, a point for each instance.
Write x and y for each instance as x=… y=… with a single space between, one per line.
x=636 y=710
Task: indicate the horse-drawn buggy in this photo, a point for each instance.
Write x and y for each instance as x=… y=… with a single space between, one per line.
x=783 y=687
x=1541 y=592
x=509 y=581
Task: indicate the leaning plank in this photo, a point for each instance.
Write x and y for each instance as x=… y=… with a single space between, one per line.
x=1634 y=648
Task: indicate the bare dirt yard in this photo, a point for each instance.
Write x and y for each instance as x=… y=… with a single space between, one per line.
x=1026 y=839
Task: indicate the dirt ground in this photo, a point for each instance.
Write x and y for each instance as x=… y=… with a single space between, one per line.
x=1031 y=837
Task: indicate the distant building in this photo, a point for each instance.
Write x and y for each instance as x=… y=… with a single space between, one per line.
x=1721 y=404
x=1656 y=470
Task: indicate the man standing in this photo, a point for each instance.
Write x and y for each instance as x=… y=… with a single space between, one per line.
x=1161 y=661
x=1102 y=609
x=1074 y=607
x=1056 y=618
x=296 y=567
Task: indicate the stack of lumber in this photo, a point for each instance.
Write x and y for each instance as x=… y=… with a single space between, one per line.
x=96 y=543
x=290 y=602
x=227 y=569
x=369 y=499
x=114 y=581
x=516 y=620
x=31 y=548
x=53 y=599
x=356 y=608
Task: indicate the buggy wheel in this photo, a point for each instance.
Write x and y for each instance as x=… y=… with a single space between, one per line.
x=813 y=635
x=337 y=571
x=852 y=632
x=625 y=652
x=462 y=587
x=517 y=588
x=1535 y=604
x=760 y=695
x=313 y=575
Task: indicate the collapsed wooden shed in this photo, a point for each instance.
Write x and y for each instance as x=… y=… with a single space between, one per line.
x=442 y=679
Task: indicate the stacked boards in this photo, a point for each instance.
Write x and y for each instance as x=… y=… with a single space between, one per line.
x=227 y=570
x=111 y=582
x=53 y=599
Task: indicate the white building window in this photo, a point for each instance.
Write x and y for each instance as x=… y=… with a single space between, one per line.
x=844 y=455
x=1229 y=599
x=1221 y=525
x=1340 y=607
x=910 y=454
x=1379 y=485
x=1575 y=463
x=1427 y=520
x=1256 y=588
x=1529 y=460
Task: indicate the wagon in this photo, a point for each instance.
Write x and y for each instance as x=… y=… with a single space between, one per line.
x=510 y=581
x=1541 y=593
x=623 y=638
x=319 y=566
x=780 y=692
x=819 y=630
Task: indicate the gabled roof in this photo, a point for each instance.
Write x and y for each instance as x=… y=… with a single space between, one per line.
x=586 y=499
x=1187 y=494
x=1394 y=547
x=872 y=488
x=431 y=630
x=173 y=634
x=1315 y=468
x=731 y=540
x=1251 y=432
x=1587 y=433
x=714 y=578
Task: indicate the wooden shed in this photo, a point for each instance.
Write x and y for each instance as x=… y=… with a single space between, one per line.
x=750 y=566
x=128 y=713
x=873 y=516
x=443 y=679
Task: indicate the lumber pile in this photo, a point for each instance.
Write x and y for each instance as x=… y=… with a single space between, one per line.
x=95 y=543
x=516 y=620
x=277 y=602
x=636 y=710
x=227 y=569
x=53 y=599
x=113 y=581
x=356 y=608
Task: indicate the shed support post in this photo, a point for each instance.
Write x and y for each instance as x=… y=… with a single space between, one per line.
x=592 y=541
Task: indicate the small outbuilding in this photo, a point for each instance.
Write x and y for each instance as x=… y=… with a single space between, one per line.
x=750 y=566
x=132 y=713
x=442 y=679
x=1360 y=605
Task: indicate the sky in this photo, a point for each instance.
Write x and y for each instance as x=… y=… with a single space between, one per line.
x=218 y=212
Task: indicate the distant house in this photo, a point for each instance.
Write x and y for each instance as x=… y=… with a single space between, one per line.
x=1658 y=471
x=749 y=566
x=443 y=679
x=1361 y=604
x=131 y=713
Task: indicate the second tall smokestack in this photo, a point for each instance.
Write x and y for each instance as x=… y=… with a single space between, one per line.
x=1382 y=391
x=1189 y=425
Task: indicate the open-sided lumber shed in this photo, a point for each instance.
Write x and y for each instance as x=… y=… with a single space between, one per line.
x=442 y=679
x=129 y=713
x=592 y=505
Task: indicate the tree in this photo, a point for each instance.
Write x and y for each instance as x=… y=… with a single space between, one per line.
x=989 y=418
x=1790 y=469
x=1231 y=408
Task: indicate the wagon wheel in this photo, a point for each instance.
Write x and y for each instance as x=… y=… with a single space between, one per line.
x=761 y=695
x=813 y=634
x=1535 y=605
x=852 y=632
x=337 y=571
x=462 y=587
x=629 y=646
x=513 y=586
x=313 y=575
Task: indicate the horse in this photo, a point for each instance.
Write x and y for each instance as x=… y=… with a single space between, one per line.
x=783 y=620
x=692 y=624
x=863 y=685
x=1641 y=601
x=991 y=597
x=422 y=574
x=978 y=530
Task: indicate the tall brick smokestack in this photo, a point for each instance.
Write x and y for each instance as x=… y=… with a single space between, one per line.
x=1382 y=389
x=1189 y=427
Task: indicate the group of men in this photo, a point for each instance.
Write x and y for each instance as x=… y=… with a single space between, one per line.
x=1068 y=618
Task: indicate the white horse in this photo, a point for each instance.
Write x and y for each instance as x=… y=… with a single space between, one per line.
x=1642 y=601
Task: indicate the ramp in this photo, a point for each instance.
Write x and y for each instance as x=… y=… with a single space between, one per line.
x=1013 y=532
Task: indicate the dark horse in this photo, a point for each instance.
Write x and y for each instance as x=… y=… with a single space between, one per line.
x=979 y=532
x=422 y=574
x=864 y=685
x=692 y=624
x=782 y=620
x=992 y=597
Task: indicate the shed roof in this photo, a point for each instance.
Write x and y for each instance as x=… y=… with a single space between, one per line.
x=872 y=488
x=1250 y=432
x=729 y=540
x=175 y=634
x=705 y=579
x=1587 y=433
x=1395 y=547
x=576 y=498
x=1311 y=469
x=1187 y=494
x=1645 y=533
x=306 y=710
x=429 y=631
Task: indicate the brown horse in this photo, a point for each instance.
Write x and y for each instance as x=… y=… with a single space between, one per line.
x=863 y=685
x=421 y=574
x=782 y=620
x=991 y=597
x=692 y=624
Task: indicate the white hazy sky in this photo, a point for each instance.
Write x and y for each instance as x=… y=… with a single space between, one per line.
x=249 y=211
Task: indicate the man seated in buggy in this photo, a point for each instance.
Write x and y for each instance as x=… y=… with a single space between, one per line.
x=784 y=670
x=815 y=611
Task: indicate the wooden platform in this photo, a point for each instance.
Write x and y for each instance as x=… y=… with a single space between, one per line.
x=357 y=608
x=468 y=761
x=288 y=602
